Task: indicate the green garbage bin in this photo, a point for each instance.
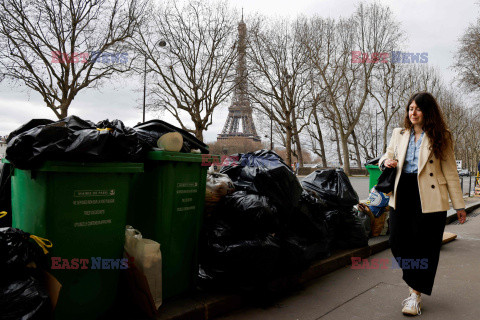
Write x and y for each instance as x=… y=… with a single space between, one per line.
x=168 y=200
x=81 y=208
x=374 y=172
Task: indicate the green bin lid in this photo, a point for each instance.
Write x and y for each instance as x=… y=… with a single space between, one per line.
x=91 y=167
x=182 y=157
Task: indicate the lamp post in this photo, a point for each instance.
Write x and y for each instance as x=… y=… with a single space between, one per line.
x=271 y=123
x=160 y=43
x=376 y=132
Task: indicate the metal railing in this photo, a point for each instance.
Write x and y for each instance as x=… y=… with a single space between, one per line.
x=471 y=185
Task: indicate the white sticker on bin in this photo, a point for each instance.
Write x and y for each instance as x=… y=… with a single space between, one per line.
x=93 y=212
x=91 y=223
x=93 y=193
x=99 y=201
x=187 y=184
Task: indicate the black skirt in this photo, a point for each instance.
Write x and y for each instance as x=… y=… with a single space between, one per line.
x=415 y=237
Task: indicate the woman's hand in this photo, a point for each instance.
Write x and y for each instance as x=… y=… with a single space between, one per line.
x=389 y=163
x=462 y=216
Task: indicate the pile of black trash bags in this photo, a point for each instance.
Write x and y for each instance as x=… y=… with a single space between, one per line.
x=22 y=282
x=75 y=139
x=272 y=225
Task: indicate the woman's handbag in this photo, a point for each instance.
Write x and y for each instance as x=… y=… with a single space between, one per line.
x=386 y=181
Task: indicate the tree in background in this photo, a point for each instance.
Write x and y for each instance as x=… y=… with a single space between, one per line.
x=330 y=45
x=279 y=79
x=195 y=72
x=467 y=58
x=58 y=48
x=234 y=145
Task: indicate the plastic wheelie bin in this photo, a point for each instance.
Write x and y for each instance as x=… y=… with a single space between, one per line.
x=167 y=207
x=374 y=172
x=81 y=208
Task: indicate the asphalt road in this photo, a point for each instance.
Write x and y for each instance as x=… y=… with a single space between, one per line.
x=360 y=184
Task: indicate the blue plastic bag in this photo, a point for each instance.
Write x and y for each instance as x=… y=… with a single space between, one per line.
x=377 y=201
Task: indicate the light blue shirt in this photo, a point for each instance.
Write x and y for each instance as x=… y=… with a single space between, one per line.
x=411 y=159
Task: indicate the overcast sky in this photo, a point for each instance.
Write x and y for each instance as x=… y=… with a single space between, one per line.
x=432 y=26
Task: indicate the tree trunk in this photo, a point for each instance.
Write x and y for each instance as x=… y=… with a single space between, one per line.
x=297 y=139
x=63 y=112
x=322 y=148
x=346 y=161
x=199 y=132
x=338 y=146
x=288 y=145
x=384 y=145
x=320 y=140
x=357 y=150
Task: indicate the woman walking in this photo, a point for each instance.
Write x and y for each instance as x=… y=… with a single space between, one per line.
x=426 y=177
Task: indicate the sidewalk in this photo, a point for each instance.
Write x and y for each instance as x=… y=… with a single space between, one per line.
x=343 y=293
x=378 y=293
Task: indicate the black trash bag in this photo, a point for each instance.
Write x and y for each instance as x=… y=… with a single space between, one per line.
x=333 y=218
x=345 y=229
x=373 y=161
x=265 y=173
x=28 y=126
x=107 y=140
x=332 y=186
x=300 y=252
x=30 y=148
x=6 y=194
x=250 y=214
x=310 y=222
x=73 y=139
x=280 y=185
x=366 y=222
x=150 y=131
x=16 y=251
x=265 y=159
x=24 y=298
x=240 y=262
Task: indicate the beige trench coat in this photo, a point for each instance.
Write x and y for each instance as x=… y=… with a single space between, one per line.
x=437 y=179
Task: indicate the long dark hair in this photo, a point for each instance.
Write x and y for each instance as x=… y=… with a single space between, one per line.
x=433 y=123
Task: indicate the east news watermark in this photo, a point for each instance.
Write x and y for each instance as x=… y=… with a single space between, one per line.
x=393 y=263
x=392 y=57
x=94 y=263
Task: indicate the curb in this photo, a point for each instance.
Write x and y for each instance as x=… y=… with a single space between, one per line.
x=204 y=306
x=452 y=214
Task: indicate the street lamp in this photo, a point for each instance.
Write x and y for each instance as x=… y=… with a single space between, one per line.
x=271 y=123
x=376 y=132
x=160 y=43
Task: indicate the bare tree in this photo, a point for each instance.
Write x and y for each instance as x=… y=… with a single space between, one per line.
x=391 y=87
x=329 y=45
x=467 y=58
x=195 y=72
x=279 y=79
x=58 y=48
x=365 y=133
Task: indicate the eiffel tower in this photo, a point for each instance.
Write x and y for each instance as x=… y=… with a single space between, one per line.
x=239 y=122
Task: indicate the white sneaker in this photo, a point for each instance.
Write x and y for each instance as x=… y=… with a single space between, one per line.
x=412 y=305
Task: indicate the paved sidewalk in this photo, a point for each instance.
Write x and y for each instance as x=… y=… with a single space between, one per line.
x=378 y=293
x=338 y=287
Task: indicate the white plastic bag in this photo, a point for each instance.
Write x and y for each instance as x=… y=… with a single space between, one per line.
x=148 y=258
x=218 y=186
x=131 y=238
